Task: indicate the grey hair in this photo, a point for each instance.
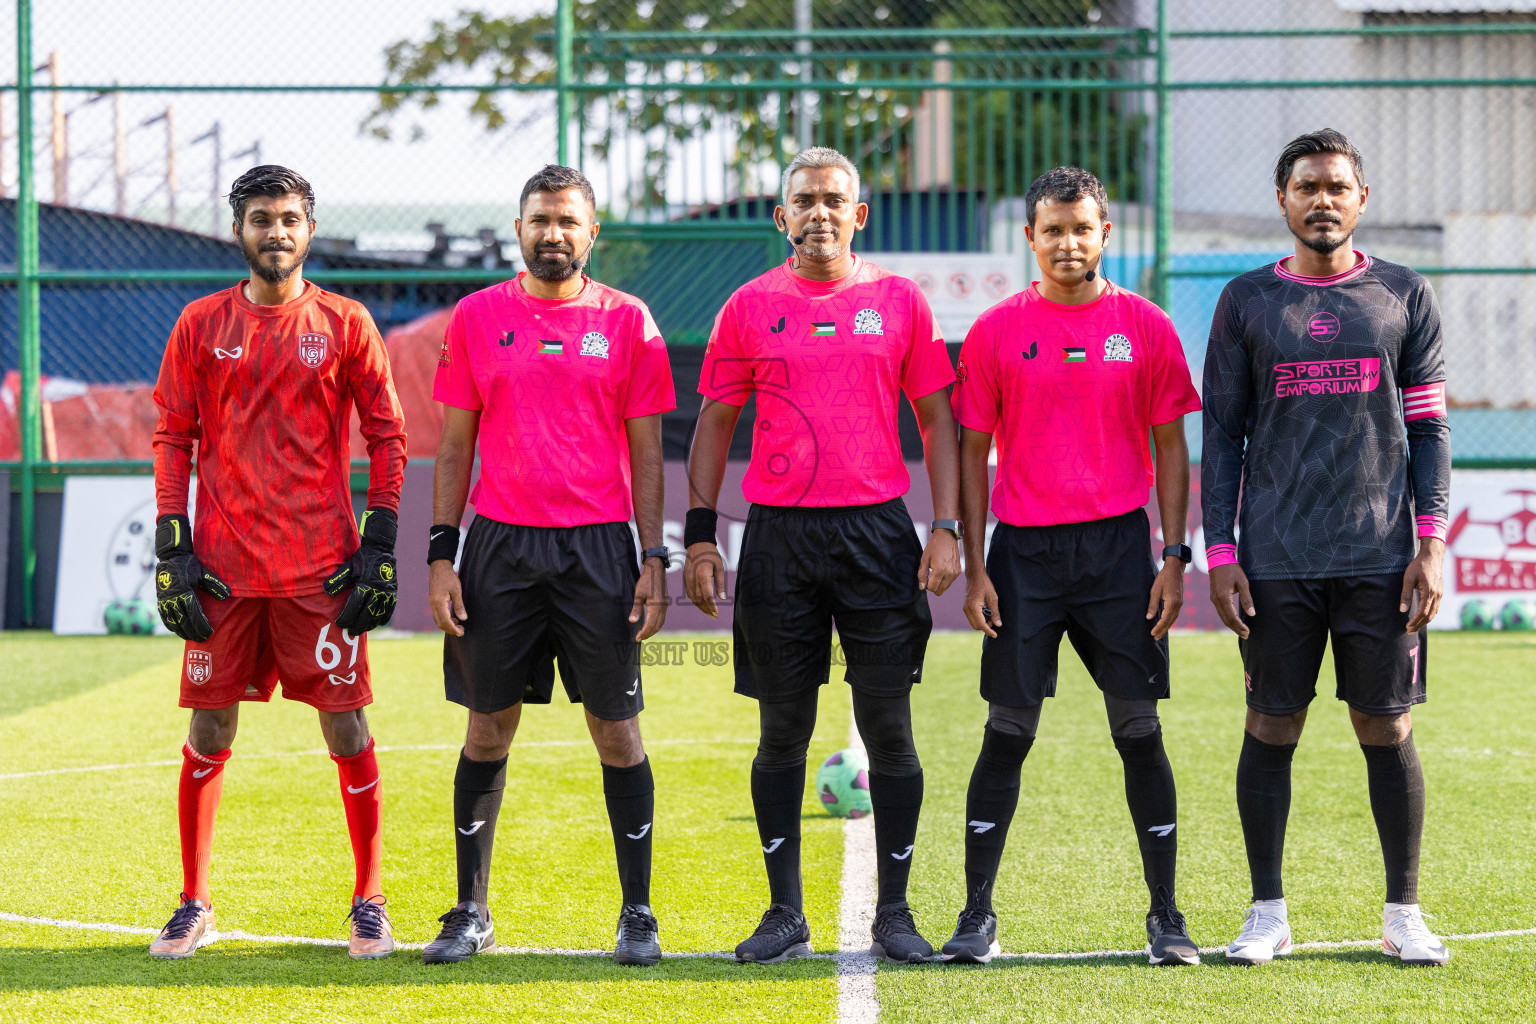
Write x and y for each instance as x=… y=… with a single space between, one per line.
x=818 y=156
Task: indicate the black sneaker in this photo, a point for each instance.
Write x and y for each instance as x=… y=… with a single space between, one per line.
x=781 y=935
x=467 y=930
x=1168 y=940
x=896 y=938
x=637 y=944
x=975 y=939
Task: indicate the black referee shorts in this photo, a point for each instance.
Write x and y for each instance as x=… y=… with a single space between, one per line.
x=535 y=594
x=801 y=570
x=1379 y=667
x=1087 y=580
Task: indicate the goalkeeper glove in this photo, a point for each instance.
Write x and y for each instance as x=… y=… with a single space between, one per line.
x=177 y=575
x=371 y=574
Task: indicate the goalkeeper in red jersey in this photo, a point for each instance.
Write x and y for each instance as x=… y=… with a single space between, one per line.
x=261 y=380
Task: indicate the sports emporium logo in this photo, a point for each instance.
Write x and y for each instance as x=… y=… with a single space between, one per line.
x=1327 y=377
x=1117 y=349
x=1323 y=327
x=867 y=321
x=199 y=667
x=312 y=349
x=594 y=344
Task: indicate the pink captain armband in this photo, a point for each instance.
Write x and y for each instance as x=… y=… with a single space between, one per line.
x=1218 y=555
x=1423 y=401
x=1431 y=526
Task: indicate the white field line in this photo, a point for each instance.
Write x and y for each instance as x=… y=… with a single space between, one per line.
x=235 y=935
x=382 y=749
x=857 y=1002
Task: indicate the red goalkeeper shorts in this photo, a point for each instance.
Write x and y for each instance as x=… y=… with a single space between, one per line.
x=258 y=641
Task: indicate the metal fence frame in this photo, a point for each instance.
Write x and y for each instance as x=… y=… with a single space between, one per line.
x=27 y=276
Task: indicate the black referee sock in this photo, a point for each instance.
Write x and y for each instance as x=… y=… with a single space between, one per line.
x=776 y=800
x=989 y=807
x=631 y=797
x=1150 y=794
x=477 y=789
x=1263 y=805
x=1397 y=803
x=896 y=801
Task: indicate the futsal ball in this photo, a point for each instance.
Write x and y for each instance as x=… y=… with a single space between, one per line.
x=129 y=617
x=1518 y=613
x=842 y=783
x=1477 y=614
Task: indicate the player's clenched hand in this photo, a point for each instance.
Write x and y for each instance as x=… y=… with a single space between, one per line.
x=1167 y=590
x=178 y=574
x=446 y=598
x=704 y=577
x=1229 y=585
x=941 y=563
x=370 y=573
x=1424 y=576
x=650 y=598
x=981 y=603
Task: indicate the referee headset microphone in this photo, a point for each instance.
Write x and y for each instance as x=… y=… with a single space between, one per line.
x=1094 y=273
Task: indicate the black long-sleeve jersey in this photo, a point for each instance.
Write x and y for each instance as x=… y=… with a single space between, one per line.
x=1309 y=383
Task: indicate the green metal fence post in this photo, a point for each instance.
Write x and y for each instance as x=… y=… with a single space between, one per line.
x=565 y=25
x=1162 y=228
x=26 y=312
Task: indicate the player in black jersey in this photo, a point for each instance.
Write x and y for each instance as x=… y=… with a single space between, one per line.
x=1325 y=407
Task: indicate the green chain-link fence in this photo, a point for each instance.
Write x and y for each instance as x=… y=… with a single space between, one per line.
x=418 y=123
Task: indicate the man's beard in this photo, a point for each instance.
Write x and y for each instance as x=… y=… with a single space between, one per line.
x=548 y=270
x=830 y=249
x=1323 y=246
x=268 y=273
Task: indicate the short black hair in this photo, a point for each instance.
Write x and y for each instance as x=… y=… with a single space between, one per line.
x=272 y=180
x=1311 y=144
x=1065 y=185
x=555 y=178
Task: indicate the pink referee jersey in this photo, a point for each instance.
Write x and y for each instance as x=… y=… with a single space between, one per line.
x=554 y=383
x=826 y=360
x=1071 y=393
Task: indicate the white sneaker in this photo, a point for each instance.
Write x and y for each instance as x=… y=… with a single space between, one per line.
x=1405 y=936
x=1266 y=934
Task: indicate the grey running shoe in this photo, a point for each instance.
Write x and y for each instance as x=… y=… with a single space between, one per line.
x=975 y=938
x=781 y=935
x=896 y=937
x=637 y=944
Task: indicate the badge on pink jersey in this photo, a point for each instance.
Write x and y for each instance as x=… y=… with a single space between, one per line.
x=312 y=349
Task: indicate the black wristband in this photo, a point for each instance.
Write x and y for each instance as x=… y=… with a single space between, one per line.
x=443 y=542
x=699 y=526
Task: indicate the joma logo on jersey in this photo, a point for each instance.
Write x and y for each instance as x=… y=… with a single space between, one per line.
x=312 y=349
x=199 y=667
x=1327 y=377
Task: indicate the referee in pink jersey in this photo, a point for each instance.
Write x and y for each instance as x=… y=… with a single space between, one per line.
x=828 y=343
x=561 y=382
x=1070 y=376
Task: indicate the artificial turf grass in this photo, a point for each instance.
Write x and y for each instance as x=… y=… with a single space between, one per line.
x=281 y=832
x=1071 y=877
x=40 y=668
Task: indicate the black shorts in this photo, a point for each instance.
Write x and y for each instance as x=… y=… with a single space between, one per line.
x=1087 y=580
x=801 y=570
x=1379 y=667
x=537 y=593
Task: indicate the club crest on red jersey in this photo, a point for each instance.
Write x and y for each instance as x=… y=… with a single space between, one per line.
x=199 y=667
x=312 y=348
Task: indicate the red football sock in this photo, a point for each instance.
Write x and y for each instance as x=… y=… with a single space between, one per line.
x=197 y=800
x=360 y=796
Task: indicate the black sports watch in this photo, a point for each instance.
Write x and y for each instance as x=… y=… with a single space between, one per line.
x=661 y=553
x=1179 y=551
x=954 y=526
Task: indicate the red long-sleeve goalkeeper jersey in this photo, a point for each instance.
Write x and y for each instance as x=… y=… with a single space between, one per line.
x=265 y=393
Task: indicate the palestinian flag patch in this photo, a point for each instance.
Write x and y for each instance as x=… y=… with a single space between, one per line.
x=823 y=330
x=1074 y=355
x=554 y=348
